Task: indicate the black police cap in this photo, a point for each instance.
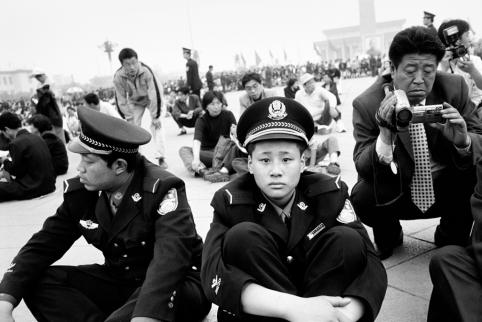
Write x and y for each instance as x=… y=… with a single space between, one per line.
x=104 y=134
x=428 y=14
x=275 y=118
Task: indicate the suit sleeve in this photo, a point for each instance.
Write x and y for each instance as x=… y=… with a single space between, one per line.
x=476 y=203
x=175 y=237
x=45 y=247
x=222 y=283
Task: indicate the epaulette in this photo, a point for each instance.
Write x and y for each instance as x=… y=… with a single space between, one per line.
x=238 y=198
x=73 y=184
x=323 y=185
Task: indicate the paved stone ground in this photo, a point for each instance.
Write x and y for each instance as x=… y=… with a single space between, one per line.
x=409 y=282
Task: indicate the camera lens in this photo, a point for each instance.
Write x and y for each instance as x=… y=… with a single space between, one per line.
x=404 y=116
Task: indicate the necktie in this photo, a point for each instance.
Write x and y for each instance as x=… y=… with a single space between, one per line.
x=422 y=185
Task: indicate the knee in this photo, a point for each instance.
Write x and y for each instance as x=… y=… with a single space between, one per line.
x=349 y=244
x=444 y=258
x=243 y=237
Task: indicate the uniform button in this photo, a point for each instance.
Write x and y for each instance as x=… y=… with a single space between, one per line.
x=174 y=293
x=172 y=298
x=143 y=243
x=170 y=305
x=194 y=268
x=125 y=255
x=289 y=259
x=127 y=268
x=116 y=245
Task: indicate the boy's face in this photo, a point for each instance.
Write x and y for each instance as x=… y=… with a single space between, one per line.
x=276 y=166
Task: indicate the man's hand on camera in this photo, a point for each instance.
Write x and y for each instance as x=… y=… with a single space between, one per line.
x=466 y=65
x=455 y=128
x=384 y=117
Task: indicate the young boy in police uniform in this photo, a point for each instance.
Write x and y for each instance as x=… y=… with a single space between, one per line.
x=285 y=244
x=134 y=212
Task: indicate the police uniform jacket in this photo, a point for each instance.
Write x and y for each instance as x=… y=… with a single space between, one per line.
x=151 y=241
x=192 y=75
x=320 y=203
x=388 y=186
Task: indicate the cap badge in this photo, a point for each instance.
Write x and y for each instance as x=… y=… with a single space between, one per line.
x=277 y=110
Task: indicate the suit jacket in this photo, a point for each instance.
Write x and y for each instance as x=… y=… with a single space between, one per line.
x=240 y=200
x=151 y=241
x=192 y=75
x=388 y=186
x=31 y=166
x=193 y=103
x=476 y=203
x=58 y=152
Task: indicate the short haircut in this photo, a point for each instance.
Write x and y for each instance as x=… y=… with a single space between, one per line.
x=209 y=97
x=210 y=66
x=40 y=122
x=291 y=82
x=415 y=40
x=301 y=145
x=10 y=120
x=91 y=98
x=249 y=77
x=184 y=90
x=126 y=53
x=462 y=25
x=130 y=158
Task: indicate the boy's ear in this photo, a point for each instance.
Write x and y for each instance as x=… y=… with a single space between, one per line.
x=250 y=164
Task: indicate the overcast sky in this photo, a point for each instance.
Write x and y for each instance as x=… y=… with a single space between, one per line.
x=63 y=36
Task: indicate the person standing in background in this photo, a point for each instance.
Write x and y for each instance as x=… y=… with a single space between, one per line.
x=192 y=73
x=210 y=78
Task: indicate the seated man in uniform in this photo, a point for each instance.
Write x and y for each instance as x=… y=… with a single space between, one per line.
x=415 y=170
x=30 y=172
x=456 y=272
x=285 y=244
x=134 y=212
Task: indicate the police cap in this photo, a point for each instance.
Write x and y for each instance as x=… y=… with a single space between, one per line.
x=186 y=50
x=103 y=134
x=275 y=118
x=427 y=14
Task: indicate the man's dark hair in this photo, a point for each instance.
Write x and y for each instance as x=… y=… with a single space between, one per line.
x=415 y=40
x=184 y=90
x=91 y=98
x=462 y=25
x=41 y=123
x=210 y=96
x=126 y=53
x=301 y=146
x=291 y=82
x=250 y=76
x=210 y=66
x=130 y=158
x=10 y=120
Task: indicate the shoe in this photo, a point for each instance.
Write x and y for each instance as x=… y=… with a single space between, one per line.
x=386 y=251
x=217 y=177
x=182 y=132
x=162 y=163
x=333 y=168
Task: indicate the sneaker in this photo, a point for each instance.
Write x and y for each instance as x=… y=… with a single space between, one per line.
x=182 y=132
x=333 y=168
x=217 y=177
x=162 y=163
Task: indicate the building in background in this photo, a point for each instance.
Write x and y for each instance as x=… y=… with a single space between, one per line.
x=15 y=82
x=368 y=38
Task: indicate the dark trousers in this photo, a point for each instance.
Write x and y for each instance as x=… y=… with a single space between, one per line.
x=457 y=289
x=329 y=264
x=185 y=122
x=452 y=203
x=74 y=293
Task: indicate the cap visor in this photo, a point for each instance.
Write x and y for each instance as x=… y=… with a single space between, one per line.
x=76 y=147
x=278 y=136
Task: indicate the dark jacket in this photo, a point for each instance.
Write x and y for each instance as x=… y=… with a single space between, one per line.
x=47 y=105
x=31 y=166
x=193 y=104
x=58 y=152
x=151 y=241
x=325 y=198
x=192 y=75
x=388 y=186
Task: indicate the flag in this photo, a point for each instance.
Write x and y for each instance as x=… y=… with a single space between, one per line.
x=243 y=60
x=257 y=59
x=285 y=55
x=315 y=47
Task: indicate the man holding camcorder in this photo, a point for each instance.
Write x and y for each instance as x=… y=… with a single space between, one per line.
x=457 y=36
x=415 y=167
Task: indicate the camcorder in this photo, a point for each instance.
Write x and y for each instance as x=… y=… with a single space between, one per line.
x=451 y=35
x=405 y=114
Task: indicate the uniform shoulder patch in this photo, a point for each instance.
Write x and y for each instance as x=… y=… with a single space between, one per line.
x=169 y=202
x=347 y=214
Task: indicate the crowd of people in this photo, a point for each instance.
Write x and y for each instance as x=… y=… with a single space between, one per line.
x=287 y=240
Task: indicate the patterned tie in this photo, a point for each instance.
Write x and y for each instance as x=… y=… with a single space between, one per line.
x=422 y=185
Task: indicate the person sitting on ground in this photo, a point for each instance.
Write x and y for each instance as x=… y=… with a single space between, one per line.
x=284 y=244
x=255 y=91
x=30 y=172
x=291 y=88
x=132 y=211
x=322 y=106
x=330 y=85
x=210 y=127
x=73 y=124
x=40 y=125
x=91 y=100
x=186 y=110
